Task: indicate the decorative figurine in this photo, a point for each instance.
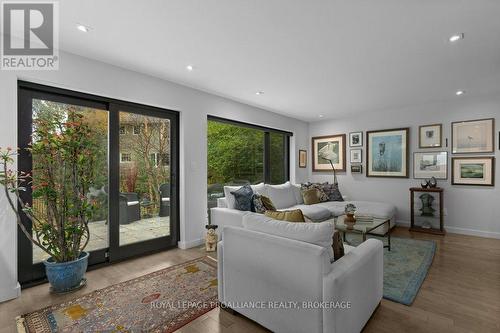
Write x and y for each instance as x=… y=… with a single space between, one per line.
x=211 y=238
x=424 y=183
x=427 y=201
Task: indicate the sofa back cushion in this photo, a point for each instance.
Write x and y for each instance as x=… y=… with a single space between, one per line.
x=230 y=200
x=282 y=196
x=320 y=234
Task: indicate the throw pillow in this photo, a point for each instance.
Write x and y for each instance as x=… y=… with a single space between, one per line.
x=332 y=191
x=258 y=205
x=286 y=215
x=337 y=246
x=311 y=196
x=267 y=202
x=243 y=198
x=322 y=195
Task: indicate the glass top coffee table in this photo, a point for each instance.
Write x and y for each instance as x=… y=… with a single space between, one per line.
x=377 y=227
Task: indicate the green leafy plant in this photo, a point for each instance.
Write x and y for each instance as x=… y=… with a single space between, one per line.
x=64 y=153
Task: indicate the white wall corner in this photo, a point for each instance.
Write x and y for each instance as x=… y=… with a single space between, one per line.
x=189 y=244
x=8 y=294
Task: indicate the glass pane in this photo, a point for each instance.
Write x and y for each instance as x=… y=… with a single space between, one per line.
x=277 y=158
x=235 y=157
x=144 y=178
x=50 y=114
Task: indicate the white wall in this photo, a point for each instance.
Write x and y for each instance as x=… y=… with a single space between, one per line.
x=471 y=209
x=94 y=77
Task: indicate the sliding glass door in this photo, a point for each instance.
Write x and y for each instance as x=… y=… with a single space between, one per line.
x=134 y=182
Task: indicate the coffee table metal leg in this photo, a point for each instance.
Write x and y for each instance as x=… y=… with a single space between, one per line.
x=364 y=236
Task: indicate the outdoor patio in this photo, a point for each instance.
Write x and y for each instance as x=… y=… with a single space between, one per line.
x=148 y=228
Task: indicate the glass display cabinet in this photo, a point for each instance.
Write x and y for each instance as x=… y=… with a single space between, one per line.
x=426 y=205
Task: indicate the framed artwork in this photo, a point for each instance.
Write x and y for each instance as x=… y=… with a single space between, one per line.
x=430 y=164
x=302 y=158
x=329 y=148
x=473 y=136
x=387 y=153
x=356 y=169
x=356 y=139
x=479 y=171
x=429 y=136
x=356 y=156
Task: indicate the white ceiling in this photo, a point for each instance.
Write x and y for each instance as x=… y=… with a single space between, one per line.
x=311 y=58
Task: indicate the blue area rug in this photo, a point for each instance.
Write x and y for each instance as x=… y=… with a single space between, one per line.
x=405 y=266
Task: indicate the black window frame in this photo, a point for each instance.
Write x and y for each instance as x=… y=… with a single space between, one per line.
x=267 y=144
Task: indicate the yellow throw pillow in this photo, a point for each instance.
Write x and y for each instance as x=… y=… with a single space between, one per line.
x=286 y=215
x=268 y=204
x=311 y=196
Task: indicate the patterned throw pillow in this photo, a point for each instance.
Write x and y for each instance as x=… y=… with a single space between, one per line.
x=258 y=206
x=267 y=202
x=243 y=198
x=332 y=191
x=322 y=195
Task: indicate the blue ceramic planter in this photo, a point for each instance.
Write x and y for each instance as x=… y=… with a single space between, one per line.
x=66 y=276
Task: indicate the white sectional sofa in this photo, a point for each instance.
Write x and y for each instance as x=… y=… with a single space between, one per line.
x=281 y=275
x=288 y=196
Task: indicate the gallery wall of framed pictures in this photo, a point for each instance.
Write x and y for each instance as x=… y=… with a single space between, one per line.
x=388 y=152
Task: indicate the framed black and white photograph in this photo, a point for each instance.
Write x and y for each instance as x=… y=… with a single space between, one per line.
x=356 y=156
x=328 y=150
x=478 y=171
x=356 y=139
x=387 y=153
x=429 y=136
x=356 y=169
x=473 y=136
x=430 y=164
x=302 y=158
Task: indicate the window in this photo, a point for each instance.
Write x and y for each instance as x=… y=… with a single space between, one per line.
x=125 y=157
x=122 y=130
x=240 y=153
x=137 y=129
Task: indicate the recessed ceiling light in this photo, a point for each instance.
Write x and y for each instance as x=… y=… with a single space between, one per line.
x=460 y=92
x=83 y=28
x=321 y=116
x=259 y=93
x=456 y=37
x=190 y=67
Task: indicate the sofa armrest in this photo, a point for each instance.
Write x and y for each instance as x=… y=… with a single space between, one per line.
x=355 y=281
x=226 y=217
x=222 y=203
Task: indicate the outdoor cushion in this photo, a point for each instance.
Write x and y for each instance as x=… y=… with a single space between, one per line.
x=375 y=209
x=165 y=199
x=315 y=213
x=132 y=203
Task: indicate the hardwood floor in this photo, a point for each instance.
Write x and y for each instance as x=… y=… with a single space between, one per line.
x=460 y=294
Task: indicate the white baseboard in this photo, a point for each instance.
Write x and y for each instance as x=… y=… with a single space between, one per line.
x=461 y=231
x=187 y=245
x=6 y=295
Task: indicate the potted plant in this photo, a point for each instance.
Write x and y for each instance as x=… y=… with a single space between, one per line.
x=64 y=153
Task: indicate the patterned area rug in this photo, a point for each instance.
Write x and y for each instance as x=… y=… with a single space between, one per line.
x=405 y=266
x=162 y=301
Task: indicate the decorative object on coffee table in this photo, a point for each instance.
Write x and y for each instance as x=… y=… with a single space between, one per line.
x=349 y=219
x=211 y=238
x=479 y=171
x=427 y=211
x=387 y=153
x=332 y=147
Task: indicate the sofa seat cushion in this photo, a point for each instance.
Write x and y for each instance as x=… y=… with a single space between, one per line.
x=283 y=196
x=320 y=234
x=372 y=208
x=315 y=213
